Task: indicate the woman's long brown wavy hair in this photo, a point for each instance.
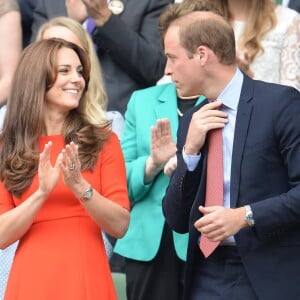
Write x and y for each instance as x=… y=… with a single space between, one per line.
x=24 y=120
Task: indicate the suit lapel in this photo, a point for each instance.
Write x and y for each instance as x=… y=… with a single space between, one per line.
x=240 y=135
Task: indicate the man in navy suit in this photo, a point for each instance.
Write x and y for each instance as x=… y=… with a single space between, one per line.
x=258 y=225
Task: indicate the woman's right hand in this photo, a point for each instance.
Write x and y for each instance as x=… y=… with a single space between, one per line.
x=48 y=174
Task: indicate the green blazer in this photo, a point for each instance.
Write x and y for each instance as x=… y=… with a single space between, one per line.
x=143 y=237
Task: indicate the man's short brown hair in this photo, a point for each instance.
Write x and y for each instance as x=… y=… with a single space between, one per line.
x=200 y=24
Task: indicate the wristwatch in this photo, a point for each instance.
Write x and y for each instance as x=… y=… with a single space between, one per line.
x=249 y=216
x=87 y=195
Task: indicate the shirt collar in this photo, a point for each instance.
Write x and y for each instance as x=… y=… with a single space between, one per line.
x=231 y=94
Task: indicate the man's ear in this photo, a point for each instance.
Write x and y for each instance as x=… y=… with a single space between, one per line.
x=203 y=54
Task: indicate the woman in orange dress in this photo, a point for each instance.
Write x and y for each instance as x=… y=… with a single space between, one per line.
x=63 y=180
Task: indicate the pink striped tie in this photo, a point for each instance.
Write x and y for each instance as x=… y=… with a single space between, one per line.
x=214 y=182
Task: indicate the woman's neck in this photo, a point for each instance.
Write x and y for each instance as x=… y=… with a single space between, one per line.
x=53 y=124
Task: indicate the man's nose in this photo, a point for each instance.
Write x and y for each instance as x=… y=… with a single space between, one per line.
x=168 y=70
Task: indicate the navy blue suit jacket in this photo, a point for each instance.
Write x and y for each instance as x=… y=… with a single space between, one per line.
x=265 y=173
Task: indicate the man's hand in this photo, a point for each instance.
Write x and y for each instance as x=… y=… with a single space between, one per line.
x=218 y=222
x=205 y=119
x=98 y=10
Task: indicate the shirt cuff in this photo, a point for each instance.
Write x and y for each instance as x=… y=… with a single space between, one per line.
x=191 y=161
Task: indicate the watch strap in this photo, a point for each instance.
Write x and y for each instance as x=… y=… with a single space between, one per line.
x=249 y=216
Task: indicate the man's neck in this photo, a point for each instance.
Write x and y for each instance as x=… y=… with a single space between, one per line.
x=218 y=83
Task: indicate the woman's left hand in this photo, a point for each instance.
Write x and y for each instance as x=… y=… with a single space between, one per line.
x=70 y=165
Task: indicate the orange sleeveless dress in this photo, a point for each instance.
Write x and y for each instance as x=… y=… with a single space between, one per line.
x=62 y=256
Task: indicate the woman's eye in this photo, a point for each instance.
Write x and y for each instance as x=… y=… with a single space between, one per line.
x=80 y=71
x=63 y=71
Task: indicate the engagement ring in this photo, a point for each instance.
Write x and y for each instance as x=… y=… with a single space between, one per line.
x=72 y=167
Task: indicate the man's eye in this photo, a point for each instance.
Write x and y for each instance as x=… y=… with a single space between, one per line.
x=171 y=58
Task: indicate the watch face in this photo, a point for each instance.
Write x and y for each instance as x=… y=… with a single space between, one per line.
x=88 y=194
x=250 y=221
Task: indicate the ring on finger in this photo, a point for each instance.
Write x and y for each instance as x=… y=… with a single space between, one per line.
x=72 y=167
